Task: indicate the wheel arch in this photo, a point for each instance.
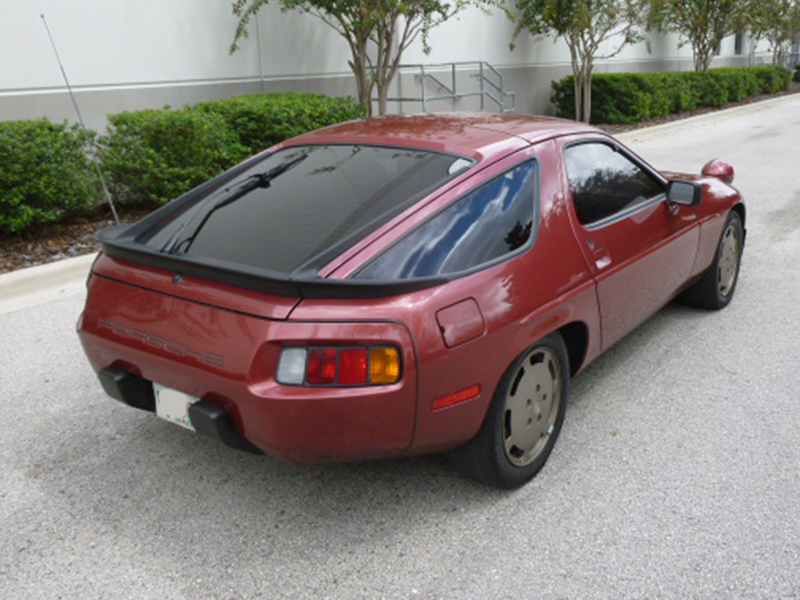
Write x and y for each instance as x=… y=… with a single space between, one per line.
x=740 y=210
x=576 y=338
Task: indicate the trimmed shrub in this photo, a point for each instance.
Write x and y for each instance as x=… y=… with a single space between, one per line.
x=562 y=95
x=774 y=79
x=621 y=100
x=633 y=97
x=159 y=155
x=45 y=173
x=263 y=120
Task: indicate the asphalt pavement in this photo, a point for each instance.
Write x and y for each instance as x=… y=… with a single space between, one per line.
x=677 y=474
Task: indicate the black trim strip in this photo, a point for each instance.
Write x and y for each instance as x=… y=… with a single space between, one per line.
x=261 y=280
x=625 y=212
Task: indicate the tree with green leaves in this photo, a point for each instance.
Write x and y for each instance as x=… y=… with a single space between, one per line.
x=586 y=26
x=777 y=21
x=377 y=32
x=703 y=23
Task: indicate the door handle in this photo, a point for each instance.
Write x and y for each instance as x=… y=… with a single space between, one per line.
x=601 y=258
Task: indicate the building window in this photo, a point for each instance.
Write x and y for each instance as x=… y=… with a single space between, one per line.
x=739 y=44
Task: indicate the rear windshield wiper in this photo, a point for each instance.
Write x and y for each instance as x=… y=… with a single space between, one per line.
x=259 y=180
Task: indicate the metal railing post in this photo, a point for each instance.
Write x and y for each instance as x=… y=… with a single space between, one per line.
x=444 y=91
x=454 y=84
x=424 y=90
x=483 y=91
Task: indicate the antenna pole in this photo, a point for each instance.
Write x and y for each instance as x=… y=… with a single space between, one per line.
x=83 y=125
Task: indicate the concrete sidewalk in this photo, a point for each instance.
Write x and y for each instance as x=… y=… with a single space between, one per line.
x=45 y=283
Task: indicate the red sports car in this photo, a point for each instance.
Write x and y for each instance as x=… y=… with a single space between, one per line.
x=403 y=285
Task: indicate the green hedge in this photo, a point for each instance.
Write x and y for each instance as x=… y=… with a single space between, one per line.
x=633 y=97
x=147 y=155
x=263 y=120
x=45 y=173
x=161 y=154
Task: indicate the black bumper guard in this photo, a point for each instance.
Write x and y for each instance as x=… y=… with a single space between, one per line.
x=208 y=418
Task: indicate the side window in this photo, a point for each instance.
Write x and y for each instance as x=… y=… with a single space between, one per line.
x=603 y=181
x=487 y=224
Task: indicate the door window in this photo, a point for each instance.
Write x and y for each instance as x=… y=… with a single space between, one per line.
x=604 y=182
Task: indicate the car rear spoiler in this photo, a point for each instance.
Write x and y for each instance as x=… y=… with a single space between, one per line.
x=119 y=242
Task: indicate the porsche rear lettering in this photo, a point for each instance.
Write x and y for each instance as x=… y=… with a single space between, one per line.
x=161 y=343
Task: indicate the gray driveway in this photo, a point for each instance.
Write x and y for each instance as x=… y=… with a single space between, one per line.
x=677 y=474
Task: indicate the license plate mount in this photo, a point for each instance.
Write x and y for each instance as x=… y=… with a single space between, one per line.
x=173 y=406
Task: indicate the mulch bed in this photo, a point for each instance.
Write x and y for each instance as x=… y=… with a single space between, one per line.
x=55 y=242
x=50 y=243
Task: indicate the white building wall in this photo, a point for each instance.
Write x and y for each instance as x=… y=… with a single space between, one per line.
x=130 y=54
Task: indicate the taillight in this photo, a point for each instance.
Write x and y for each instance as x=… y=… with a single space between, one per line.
x=332 y=366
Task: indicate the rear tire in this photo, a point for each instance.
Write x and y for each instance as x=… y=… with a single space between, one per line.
x=714 y=290
x=523 y=421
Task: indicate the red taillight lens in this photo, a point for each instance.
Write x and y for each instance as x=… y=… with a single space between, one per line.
x=373 y=365
x=321 y=366
x=353 y=366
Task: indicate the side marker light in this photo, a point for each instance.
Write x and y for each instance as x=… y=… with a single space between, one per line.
x=457 y=397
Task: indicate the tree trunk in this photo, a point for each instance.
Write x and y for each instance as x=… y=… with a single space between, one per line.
x=577 y=82
x=703 y=55
x=586 y=75
x=587 y=98
x=364 y=89
x=779 y=56
x=386 y=33
x=383 y=93
x=358 y=63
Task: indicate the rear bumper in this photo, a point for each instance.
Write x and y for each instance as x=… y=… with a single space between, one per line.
x=134 y=337
x=207 y=418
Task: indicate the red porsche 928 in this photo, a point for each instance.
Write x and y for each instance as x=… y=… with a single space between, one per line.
x=403 y=285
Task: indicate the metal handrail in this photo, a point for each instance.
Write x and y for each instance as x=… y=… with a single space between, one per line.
x=499 y=96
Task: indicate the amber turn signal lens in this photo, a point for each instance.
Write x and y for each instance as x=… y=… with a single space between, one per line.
x=384 y=365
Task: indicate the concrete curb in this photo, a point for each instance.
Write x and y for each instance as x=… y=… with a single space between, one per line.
x=44 y=283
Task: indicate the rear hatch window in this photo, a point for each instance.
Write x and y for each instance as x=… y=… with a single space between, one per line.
x=295 y=210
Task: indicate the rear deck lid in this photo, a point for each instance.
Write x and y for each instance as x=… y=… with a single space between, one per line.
x=138 y=277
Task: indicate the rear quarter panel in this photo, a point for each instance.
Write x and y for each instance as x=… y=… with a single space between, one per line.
x=520 y=301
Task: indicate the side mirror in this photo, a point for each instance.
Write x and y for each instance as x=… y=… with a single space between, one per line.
x=686 y=193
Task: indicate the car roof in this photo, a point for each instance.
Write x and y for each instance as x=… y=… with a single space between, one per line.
x=478 y=135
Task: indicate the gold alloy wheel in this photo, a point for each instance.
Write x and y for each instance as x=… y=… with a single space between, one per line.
x=532 y=406
x=728 y=265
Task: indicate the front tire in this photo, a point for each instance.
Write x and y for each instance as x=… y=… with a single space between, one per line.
x=524 y=418
x=714 y=290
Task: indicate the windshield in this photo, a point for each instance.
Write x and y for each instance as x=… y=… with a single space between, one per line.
x=281 y=219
